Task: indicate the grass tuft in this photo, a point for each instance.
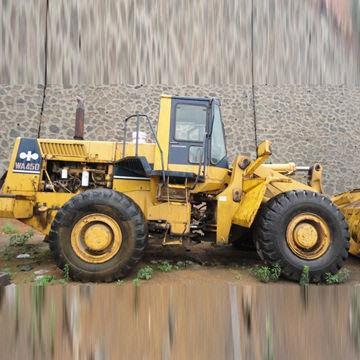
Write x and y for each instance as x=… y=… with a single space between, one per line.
x=44 y=280
x=340 y=277
x=145 y=273
x=9 y=229
x=136 y=282
x=275 y=272
x=21 y=239
x=180 y=265
x=164 y=266
x=66 y=273
x=267 y=273
x=304 y=278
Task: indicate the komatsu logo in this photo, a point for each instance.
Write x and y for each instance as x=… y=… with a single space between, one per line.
x=28 y=158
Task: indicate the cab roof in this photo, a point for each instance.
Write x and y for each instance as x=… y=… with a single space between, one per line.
x=194 y=98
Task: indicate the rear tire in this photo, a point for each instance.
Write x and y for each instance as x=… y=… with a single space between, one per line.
x=274 y=234
x=92 y=211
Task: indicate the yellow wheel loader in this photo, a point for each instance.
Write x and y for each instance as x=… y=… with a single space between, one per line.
x=97 y=202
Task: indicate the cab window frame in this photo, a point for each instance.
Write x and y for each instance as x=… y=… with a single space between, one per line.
x=205 y=106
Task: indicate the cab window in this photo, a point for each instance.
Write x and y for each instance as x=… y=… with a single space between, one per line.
x=195 y=154
x=218 y=148
x=190 y=122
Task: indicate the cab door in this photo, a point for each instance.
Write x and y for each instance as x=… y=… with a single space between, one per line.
x=189 y=123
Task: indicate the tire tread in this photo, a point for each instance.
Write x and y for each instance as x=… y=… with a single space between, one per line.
x=266 y=222
x=133 y=214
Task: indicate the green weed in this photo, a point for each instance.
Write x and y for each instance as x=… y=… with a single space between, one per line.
x=275 y=272
x=9 y=229
x=136 y=282
x=145 y=273
x=267 y=273
x=262 y=273
x=165 y=266
x=66 y=272
x=119 y=282
x=180 y=265
x=44 y=280
x=21 y=239
x=340 y=277
x=305 y=278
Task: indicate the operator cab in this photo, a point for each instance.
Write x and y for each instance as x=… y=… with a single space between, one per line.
x=196 y=133
x=189 y=144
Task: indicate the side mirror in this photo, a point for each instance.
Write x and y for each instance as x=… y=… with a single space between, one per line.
x=264 y=148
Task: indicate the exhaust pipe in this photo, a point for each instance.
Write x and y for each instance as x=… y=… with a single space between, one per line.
x=79 y=119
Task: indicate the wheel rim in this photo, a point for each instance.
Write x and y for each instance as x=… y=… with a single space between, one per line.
x=96 y=238
x=308 y=236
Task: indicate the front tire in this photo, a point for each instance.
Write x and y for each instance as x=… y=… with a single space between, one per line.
x=302 y=228
x=101 y=234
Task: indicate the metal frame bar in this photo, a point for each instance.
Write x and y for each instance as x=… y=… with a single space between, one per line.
x=138 y=116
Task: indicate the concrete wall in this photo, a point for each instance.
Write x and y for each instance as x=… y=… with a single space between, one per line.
x=300 y=59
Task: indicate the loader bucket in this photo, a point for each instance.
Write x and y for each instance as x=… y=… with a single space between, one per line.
x=349 y=204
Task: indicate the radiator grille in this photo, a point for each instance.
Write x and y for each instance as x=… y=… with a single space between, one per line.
x=61 y=149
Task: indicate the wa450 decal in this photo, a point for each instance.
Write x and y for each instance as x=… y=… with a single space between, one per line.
x=28 y=158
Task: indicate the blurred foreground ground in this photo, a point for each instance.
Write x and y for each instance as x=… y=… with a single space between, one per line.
x=212 y=309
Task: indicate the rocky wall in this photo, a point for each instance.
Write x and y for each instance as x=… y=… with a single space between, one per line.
x=313 y=124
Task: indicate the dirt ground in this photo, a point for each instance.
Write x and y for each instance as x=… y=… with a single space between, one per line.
x=203 y=261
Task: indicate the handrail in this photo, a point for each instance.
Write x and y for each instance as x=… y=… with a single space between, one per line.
x=138 y=116
x=202 y=163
